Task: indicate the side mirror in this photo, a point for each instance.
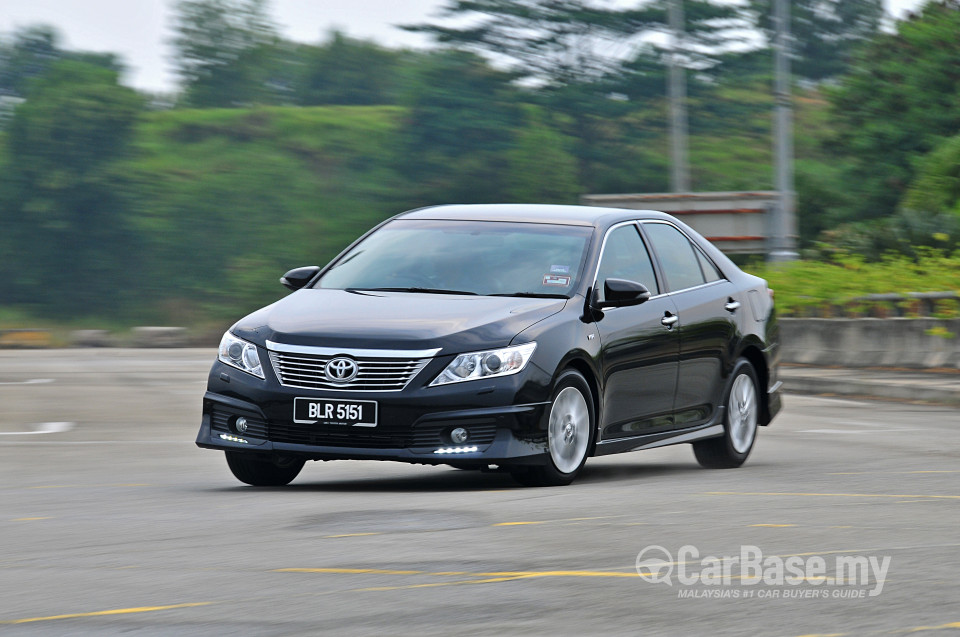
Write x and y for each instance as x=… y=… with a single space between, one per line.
x=296 y=279
x=622 y=293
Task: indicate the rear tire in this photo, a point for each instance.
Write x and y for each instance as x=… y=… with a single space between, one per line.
x=570 y=430
x=263 y=473
x=742 y=403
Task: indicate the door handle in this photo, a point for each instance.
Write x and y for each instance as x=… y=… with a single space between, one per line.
x=669 y=321
x=732 y=306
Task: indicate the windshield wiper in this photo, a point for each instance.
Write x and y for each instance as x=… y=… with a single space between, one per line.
x=413 y=289
x=533 y=295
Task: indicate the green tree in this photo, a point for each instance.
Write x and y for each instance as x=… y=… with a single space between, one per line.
x=73 y=249
x=560 y=42
x=461 y=119
x=32 y=51
x=539 y=167
x=225 y=51
x=588 y=62
x=825 y=33
x=347 y=71
x=897 y=104
x=936 y=188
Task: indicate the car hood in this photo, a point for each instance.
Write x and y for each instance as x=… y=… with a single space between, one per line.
x=394 y=320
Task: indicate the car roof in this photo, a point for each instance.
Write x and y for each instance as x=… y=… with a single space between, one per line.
x=533 y=213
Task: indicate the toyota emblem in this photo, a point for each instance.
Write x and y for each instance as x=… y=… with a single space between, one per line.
x=341 y=370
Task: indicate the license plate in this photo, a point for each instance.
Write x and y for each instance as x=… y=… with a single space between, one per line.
x=340 y=413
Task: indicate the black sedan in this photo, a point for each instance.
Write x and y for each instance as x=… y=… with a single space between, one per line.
x=521 y=337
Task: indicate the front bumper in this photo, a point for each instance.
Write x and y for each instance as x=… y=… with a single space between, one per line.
x=414 y=425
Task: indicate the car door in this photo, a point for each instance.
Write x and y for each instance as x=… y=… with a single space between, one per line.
x=707 y=328
x=639 y=345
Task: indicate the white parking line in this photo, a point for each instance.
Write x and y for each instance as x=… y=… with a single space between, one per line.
x=43 y=428
x=32 y=381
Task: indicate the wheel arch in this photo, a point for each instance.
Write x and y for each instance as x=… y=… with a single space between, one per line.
x=589 y=374
x=754 y=355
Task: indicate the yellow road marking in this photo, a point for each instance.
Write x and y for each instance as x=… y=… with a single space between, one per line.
x=30 y=519
x=837 y=495
x=350 y=535
x=940 y=627
x=102 y=613
x=918 y=629
x=775 y=526
x=496 y=574
x=430 y=585
x=499 y=576
x=599 y=517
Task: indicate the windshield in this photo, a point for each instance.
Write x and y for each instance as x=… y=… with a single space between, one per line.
x=464 y=257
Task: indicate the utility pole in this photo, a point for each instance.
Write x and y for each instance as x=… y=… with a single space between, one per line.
x=783 y=223
x=679 y=169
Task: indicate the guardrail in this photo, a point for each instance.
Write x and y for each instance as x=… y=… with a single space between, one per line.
x=25 y=338
x=146 y=337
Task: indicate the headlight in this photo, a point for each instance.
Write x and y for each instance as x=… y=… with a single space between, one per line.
x=489 y=364
x=240 y=354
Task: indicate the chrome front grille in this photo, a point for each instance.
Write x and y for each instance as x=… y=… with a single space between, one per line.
x=377 y=370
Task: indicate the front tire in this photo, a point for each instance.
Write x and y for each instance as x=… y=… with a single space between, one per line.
x=739 y=423
x=570 y=429
x=251 y=470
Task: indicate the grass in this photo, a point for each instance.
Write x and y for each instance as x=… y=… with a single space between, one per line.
x=805 y=287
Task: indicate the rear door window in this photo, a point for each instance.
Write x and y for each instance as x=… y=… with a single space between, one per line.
x=710 y=272
x=678 y=258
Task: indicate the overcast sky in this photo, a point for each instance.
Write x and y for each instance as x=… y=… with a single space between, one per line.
x=139 y=29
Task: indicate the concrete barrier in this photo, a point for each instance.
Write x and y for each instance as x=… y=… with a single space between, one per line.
x=920 y=343
x=160 y=337
x=916 y=343
x=92 y=338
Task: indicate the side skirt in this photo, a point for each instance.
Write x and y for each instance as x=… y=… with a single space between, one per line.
x=662 y=439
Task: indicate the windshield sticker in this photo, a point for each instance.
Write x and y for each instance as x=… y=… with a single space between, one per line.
x=557 y=280
x=559 y=269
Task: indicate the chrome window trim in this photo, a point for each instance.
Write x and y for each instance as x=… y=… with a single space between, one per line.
x=357 y=353
x=696 y=287
x=637 y=223
x=603 y=248
x=667 y=294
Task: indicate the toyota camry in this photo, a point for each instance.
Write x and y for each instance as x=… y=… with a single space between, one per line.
x=526 y=338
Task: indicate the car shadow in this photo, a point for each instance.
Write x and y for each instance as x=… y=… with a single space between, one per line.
x=448 y=480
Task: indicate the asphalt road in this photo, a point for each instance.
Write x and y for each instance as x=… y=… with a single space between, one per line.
x=112 y=521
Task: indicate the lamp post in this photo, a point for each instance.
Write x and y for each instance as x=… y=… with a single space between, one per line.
x=783 y=222
x=679 y=169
